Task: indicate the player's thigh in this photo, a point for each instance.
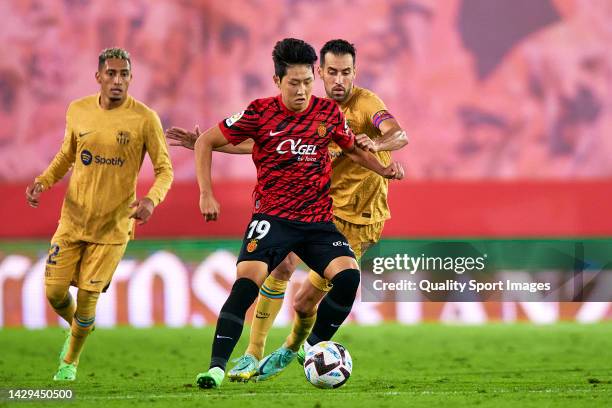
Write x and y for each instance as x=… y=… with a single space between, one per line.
x=323 y=246
x=285 y=269
x=308 y=296
x=267 y=239
x=63 y=261
x=98 y=266
x=362 y=236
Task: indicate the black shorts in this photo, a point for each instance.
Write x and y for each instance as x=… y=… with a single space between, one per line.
x=270 y=239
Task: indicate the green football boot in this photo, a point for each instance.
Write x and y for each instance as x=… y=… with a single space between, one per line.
x=65 y=372
x=275 y=363
x=210 y=379
x=301 y=355
x=244 y=370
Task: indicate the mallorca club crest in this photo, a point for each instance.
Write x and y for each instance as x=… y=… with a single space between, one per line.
x=123 y=137
x=322 y=129
x=252 y=245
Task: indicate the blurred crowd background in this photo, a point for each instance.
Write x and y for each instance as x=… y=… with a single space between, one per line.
x=487 y=89
x=507 y=103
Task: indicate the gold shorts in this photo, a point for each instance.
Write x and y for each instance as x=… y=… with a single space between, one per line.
x=82 y=264
x=360 y=237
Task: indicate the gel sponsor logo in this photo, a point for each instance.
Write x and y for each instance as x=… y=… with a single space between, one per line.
x=296 y=147
x=343 y=244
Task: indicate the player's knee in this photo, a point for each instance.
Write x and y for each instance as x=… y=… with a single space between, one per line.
x=340 y=264
x=255 y=271
x=281 y=274
x=57 y=295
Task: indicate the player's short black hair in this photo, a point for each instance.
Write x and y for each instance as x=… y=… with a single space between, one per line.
x=291 y=51
x=115 y=52
x=337 y=47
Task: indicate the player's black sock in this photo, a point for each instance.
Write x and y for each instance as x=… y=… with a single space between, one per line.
x=336 y=306
x=231 y=319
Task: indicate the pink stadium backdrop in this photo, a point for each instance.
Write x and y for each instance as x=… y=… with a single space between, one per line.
x=507 y=103
x=502 y=89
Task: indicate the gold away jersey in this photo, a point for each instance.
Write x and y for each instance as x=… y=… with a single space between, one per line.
x=106 y=149
x=360 y=195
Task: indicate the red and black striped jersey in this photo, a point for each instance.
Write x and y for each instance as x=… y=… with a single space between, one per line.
x=291 y=155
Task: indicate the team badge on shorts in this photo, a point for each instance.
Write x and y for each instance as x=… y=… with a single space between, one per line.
x=252 y=245
x=123 y=137
x=322 y=129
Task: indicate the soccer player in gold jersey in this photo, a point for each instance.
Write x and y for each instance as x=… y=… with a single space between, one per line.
x=106 y=138
x=360 y=211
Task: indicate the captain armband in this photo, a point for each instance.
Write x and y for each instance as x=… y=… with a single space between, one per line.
x=380 y=116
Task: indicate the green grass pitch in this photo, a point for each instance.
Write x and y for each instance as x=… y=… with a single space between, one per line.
x=426 y=365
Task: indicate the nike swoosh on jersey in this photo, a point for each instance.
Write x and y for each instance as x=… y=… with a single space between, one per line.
x=81 y=134
x=276 y=133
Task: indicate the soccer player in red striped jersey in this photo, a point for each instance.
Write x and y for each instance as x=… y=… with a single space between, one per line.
x=292 y=208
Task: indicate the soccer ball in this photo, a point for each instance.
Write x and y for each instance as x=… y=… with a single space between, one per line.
x=328 y=365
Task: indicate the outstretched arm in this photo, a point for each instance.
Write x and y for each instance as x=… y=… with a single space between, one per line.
x=204 y=145
x=369 y=161
x=180 y=137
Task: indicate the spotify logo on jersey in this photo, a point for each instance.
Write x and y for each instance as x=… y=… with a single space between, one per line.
x=86 y=157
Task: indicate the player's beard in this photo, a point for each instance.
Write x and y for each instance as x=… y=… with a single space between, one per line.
x=345 y=95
